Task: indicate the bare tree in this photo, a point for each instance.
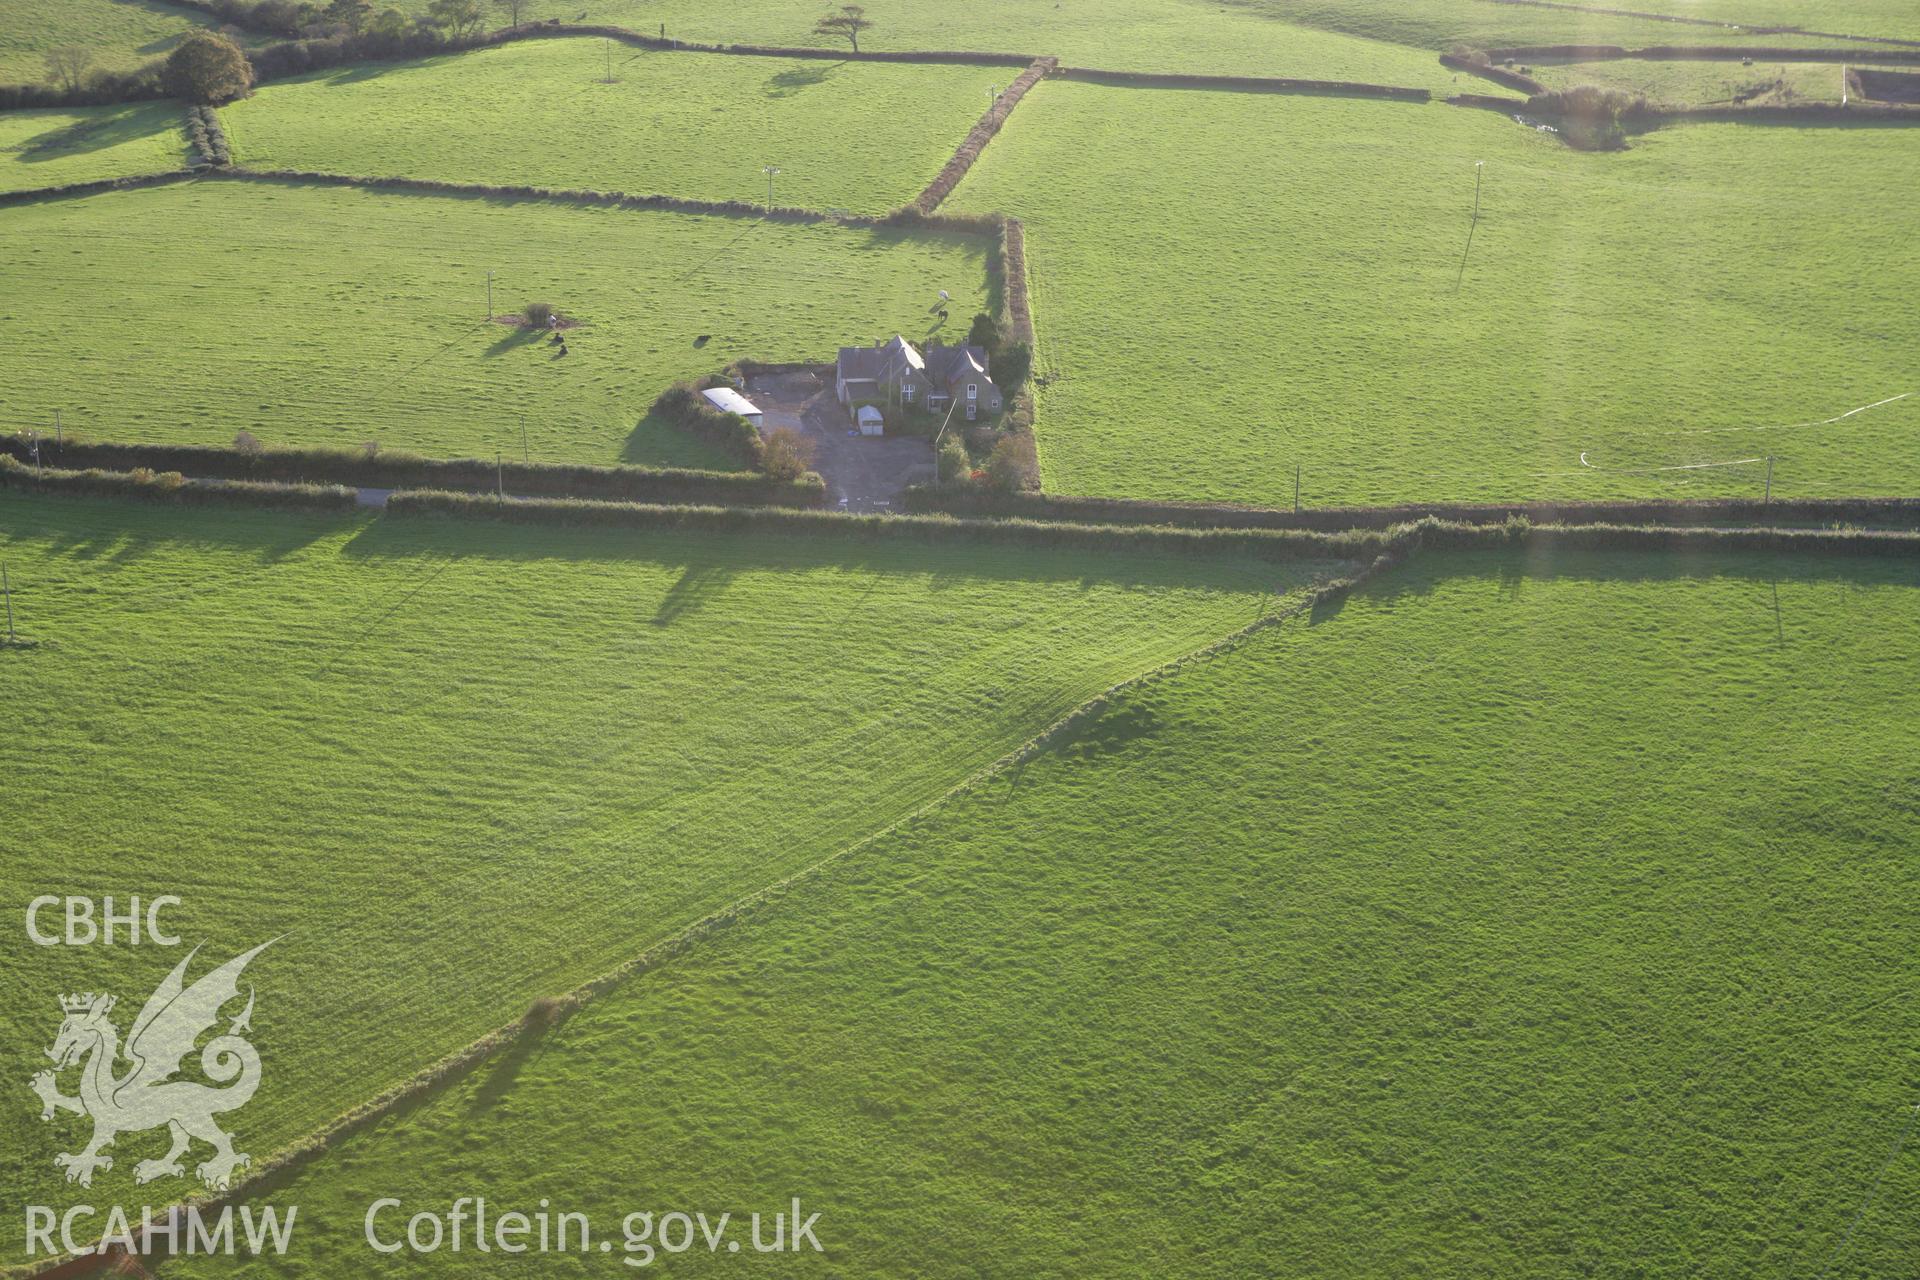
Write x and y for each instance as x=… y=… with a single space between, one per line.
x=849 y=22
x=67 y=65
x=512 y=9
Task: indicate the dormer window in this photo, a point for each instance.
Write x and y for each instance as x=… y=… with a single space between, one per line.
x=973 y=391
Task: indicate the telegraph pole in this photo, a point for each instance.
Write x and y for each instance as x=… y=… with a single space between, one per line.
x=489 y=295
x=1296 y=488
x=770 y=170
x=1768 y=500
x=6 y=584
x=523 y=439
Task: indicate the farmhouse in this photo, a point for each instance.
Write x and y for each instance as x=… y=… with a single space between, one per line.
x=896 y=372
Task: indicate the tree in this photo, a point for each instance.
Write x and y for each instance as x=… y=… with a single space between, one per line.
x=787 y=454
x=352 y=14
x=849 y=22
x=459 y=17
x=208 y=69
x=985 y=333
x=388 y=24
x=67 y=64
x=512 y=8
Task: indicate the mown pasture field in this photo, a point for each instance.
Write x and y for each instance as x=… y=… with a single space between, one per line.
x=1692 y=83
x=1524 y=916
x=459 y=766
x=86 y=144
x=1134 y=35
x=1230 y=285
x=1440 y=24
x=122 y=34
x=331 y=316
x=860 y=136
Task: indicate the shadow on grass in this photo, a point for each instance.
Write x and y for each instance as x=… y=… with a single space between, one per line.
x=97 y=133
x=699 y=585
x=795 y=80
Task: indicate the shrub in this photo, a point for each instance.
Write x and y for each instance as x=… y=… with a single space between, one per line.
x=1593 y=118
x=208 y=69
x=246 y=444
x=1011 y=467
x=786 y=454
x=538 y=315
x=951 y=464
x=370 y=449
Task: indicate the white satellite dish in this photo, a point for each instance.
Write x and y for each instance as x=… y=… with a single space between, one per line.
x=944 y=297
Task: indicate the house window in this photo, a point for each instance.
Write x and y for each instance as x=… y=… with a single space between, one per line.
x=906 y=392
x=973 y=391
x=973 y=410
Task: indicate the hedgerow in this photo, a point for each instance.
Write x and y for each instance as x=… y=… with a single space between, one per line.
x=396 y=470
x=1893 y=512
x=1252 y=84
x=146 y=484
x=980 y=135
x=209 y=139
x=575 y=513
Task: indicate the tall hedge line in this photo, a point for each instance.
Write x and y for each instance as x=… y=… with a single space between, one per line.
x=208 y=136
x=97 y=185
x=573 y=513
x=171 y=486
x=980 y=135
x=1248 y=84
x=962 y=57
x=1477 y=63
x=1438 y=535
x=396 y=470
x=976 y=504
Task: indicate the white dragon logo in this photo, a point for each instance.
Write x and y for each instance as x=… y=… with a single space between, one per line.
x=145 y=1096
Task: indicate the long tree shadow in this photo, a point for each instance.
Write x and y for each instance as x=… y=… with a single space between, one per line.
x=796 y=79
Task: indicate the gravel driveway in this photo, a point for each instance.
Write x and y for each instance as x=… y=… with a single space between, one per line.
x=863 y=473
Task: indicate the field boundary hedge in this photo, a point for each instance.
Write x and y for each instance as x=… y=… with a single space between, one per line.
x=170 y=486
x=33 y=194
x=1242 y=84
x=980 y=135
x=584 y=513
x=978 y=504
x=1477 y=65
x=396 y=470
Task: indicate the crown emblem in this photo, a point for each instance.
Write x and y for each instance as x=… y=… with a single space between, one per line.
x=78 y=1003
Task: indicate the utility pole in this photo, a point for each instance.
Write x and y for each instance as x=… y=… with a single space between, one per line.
x=609 y=45
x=489 y=295
x=1296 y=488
x=523 y=439
x=499 y=477
x=1768 y=500
x=6 y=583
x=58 y=440
x=769 y=170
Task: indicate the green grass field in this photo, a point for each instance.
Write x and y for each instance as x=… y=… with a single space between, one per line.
x=1521 y=918
x=860 y=136
x=1139 y=35
x=1230 y=285
x=121 y=33
x=85 y=144
x=1689 y=83
x=333 y=316
x=1440 y=24
x=460 y=766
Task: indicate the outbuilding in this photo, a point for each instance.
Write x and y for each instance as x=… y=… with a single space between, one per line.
x=870 y=421
x=727 y=400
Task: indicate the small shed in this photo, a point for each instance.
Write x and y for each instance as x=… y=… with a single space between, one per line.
x=869 y=419
x=727 y=400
